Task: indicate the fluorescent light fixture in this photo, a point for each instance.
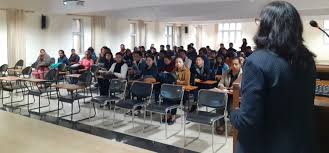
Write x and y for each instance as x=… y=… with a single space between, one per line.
x=73 y=2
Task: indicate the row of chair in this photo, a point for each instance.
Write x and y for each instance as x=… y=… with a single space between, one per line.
x=140 y=96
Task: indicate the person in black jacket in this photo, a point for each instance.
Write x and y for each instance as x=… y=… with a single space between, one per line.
x=151 y=69
x=277 y=89
x=199 y=73
x=104 y=84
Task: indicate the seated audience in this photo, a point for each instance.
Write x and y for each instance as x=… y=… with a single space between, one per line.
x=104 y=84
x=248 y=51
x=191 y=53
x=186 y=60
x=169 y=64
x=119 y=69
x=169 y=51
x=41 y=65
x=86 y=62
x=183 y=73
x=233 y=74
x=226 y=83
x=62 y=58
x=204 y=54
x=109 y=60
x=128 y=58
x=92 y=54
x=160 y=59
x=231 y=49
x=183 y=78
x=74 y=58
x=122 y=49
x=150 y=69
x=199 y=72
x=138 y=65
x=101 y=58
x=219 y=68
x=242 y=60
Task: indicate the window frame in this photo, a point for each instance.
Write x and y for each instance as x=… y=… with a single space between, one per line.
x=169 y=34
x=225 y=32
x=80 y=35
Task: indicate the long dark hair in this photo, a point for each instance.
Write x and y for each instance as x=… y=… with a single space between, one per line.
x=281 y=31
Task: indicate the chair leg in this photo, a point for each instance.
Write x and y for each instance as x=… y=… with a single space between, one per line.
x=133 y=118
x=72 y=113
x=113 y=117
x=184 y=133
x=166 y=128
x=144 y=119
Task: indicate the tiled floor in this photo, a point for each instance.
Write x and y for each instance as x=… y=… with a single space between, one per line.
x=152 y=138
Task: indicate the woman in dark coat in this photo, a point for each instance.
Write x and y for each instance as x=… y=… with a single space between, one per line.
x=278 y=84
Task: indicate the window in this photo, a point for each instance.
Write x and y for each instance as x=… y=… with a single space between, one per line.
x=169 y=35
x=133 y=35
x=326 y=28
x=230 y=32
x=78 y=40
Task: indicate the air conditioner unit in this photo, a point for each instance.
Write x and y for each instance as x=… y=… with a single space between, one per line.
x=73 y=2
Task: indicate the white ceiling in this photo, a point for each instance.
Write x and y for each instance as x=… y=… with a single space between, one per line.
x=167 y=10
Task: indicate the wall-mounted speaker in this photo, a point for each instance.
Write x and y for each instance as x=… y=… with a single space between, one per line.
x=186 y=30
x=43 y=22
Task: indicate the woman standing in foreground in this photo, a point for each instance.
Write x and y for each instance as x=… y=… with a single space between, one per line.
x=278 y=84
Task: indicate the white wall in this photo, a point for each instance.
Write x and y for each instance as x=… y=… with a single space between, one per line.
x=118 y=33
x=58 y=35
x=314 y=39
x=3 y=37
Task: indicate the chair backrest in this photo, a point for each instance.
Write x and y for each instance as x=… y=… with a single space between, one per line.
x=51 y=75
x=62 y=67
x=52 y=61
x=212 y=99
x=27 y=71
x=19 y=64
x=85 y=78
x=172 y=92
x=141 y=89
x=94 y=68
x=117 y=85
x=3 y=69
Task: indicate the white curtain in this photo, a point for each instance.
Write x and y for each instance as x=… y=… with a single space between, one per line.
x=98 y=32
x=16 y=45
x=3 y=38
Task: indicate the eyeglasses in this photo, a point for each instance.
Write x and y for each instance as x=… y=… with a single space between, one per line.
x=257 y=21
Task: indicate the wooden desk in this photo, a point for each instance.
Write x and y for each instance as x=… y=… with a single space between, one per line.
x=69 y=87
x=190 y=88
x=73 y=75
x=208 y=82
x=20 y=134
x=10 y=78
x=34 y=80
x=146 y=81
x=322 y=68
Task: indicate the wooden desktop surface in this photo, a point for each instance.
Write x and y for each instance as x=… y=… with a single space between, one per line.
x=10 y=78
x=73 y=75
x=20 y=134
x=322 y=68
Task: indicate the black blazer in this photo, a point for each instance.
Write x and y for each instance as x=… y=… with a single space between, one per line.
x=275 y=114
x=195 y=75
